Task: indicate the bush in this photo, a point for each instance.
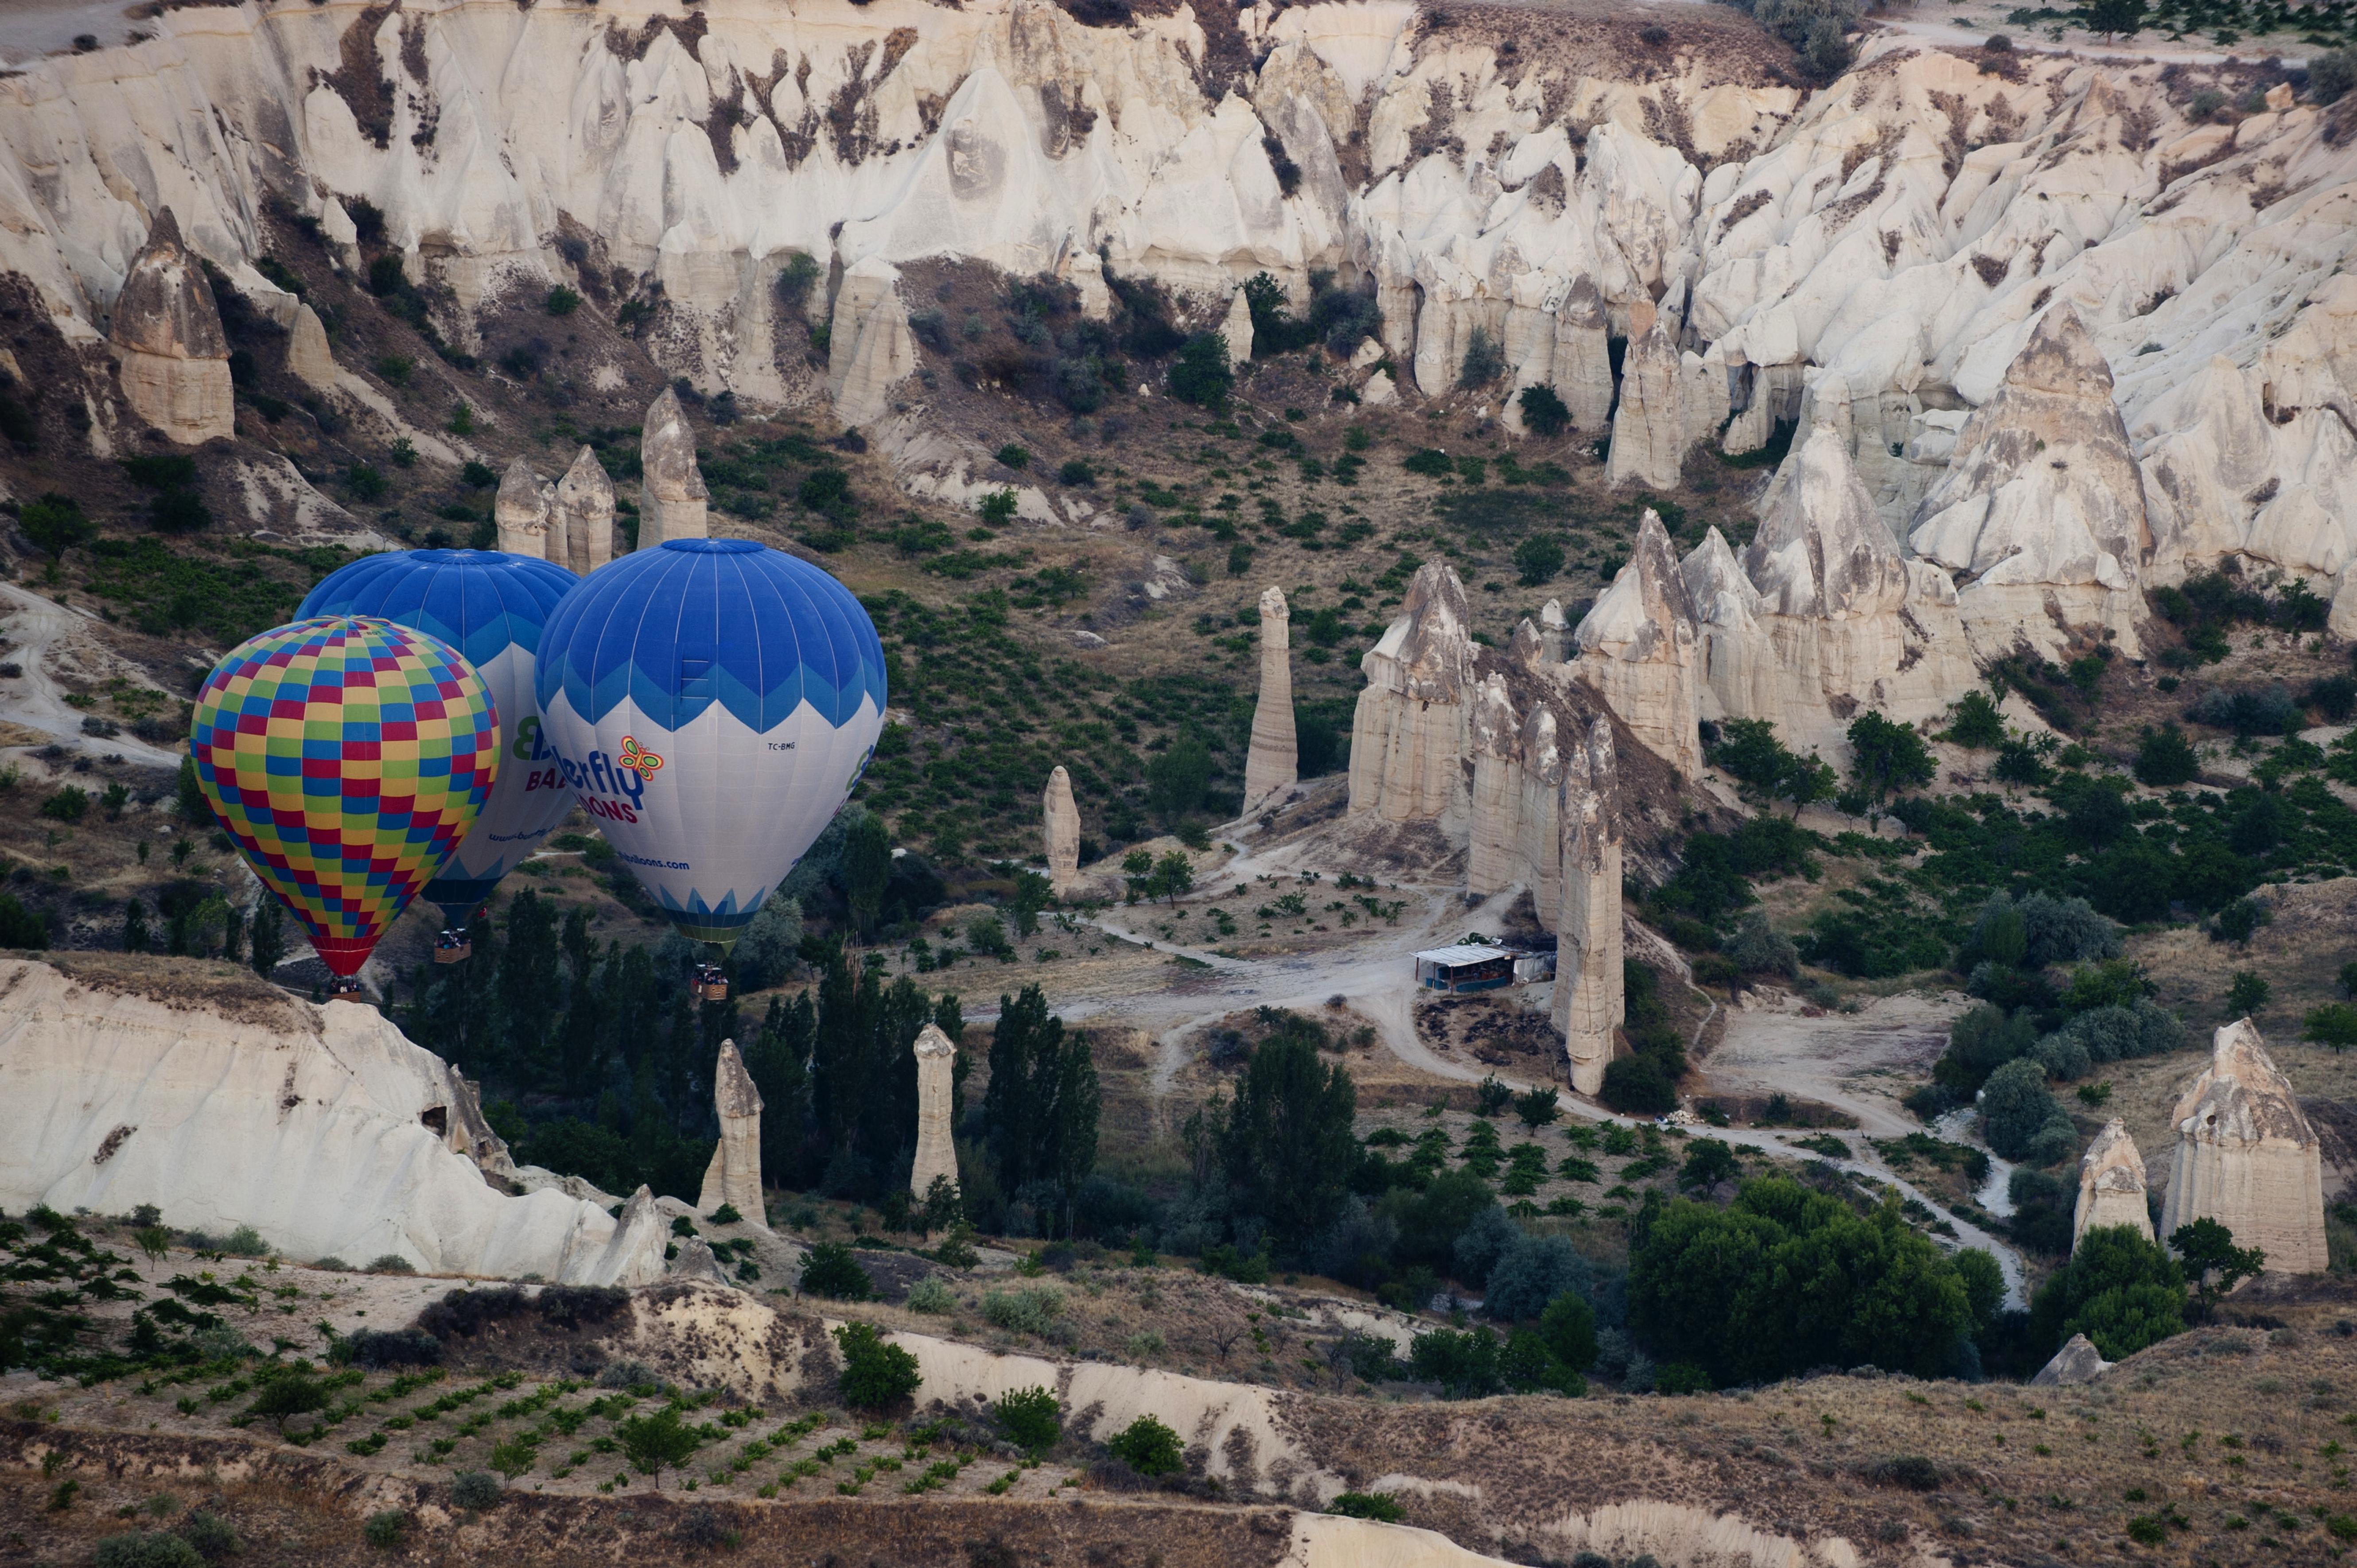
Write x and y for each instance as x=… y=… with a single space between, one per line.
x=474 y=1490
x=2269 y=712
x=830 y=1270
x=875 y=1374
x=1978 y=722
x=561 y=301
x=386 y=1529
x=70 y=804
x=2020 y=1118
x=1568 y=1326
x=2119 y=1289
x=376 y=1348
x=1031 y=1418
x=391 y=1263
x=1532 y=1274
x=932 y=1296
x=1756 y=948
x=1201 y=374
x=1148 y=1447
x=211 y=1534
x=1030 y=1311
x=1429 y=461
x=146 y=1549
x=1380 y=1505
x=1544 y=414
x=2331 y=75
x=1538 y=558
x=1484 y=361
x=1636 y=1086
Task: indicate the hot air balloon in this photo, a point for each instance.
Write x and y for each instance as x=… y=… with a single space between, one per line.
x=490 y=606
x=347 y=757
x=711 y=702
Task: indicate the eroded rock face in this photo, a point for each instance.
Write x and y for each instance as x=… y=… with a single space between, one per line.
x=308 y=358
x=522 y=511
x=1060 y=830
x=1236 y=329
x=1516 y=794
x=1273 y=763
x=2077 y=1362
x=1637 y=647
x=2042 y=511
x=734 y=1176
x=1582 y=360
x=581 y=521
x=166 y=334
x=1648 y=427
x=1590 y=999
x=869 y=349
x=2247 y=1156
x=320 y=1126
x=2111 y=1185
x=672 y=500
x=936 y=1155
x=1408 y=733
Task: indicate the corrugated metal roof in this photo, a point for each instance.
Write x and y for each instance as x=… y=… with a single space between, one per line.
x=1464 y=952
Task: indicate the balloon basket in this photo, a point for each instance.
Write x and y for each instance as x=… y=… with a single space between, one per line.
x=348 y=990
x=713 y=990
x=452 y=949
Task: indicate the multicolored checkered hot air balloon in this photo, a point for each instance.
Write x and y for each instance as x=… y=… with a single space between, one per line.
x=347 y=756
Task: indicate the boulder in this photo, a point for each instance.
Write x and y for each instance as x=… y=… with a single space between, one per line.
x=2042 y=507
x=936 y=1154
x=1636 y=647
x=2111 y=1185
x=166 y=334
x=869 y=346
x=1273 y=763
x=2077 y=1362
x=581 y=524
x=1648 y=427
x=734 y=1176
x=696 y=1263
x=1061 y=831
x=673 y=502
x=2248 y=1157
x=1589 y=1000
x=522 y=509
x=1408 y=733
x=634 y=1256
x=224 y=1102
x=309 y=359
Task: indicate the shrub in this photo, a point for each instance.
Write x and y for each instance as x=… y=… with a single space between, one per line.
x=1012 y=456
x=1201 y=374
x=1429 y=461
x=1379 y=1506
x=2247 y=993
x=561 y=301
x=932 y=1296
x=2331 y=75
x=1636 y=1086
x=1544 y=414
x=1148 y=1447
x=2269 y=712
x=2119 y=1289
x=830 y=1270
x=70 y=804
x=1533 y=1273
x=391 y=1263
x=474 y=1490
x=1568 y=1326
x=1977 y=722
x=1031 y=1418
x=1757 y=948
x=652 y=1442
x=2164 y=757
x=1029 y=1311
x=1076 y=471
x=146 y=1549
x=1484 y=361
x=875 y=1374
x=386 y=1529
x=1537 y=558
x=376 y=1348
x=2020 y=1118
x=1463 y=1362
x=211 y=1534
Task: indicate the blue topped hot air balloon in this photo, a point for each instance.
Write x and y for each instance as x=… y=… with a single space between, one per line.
x=492 y=607
x=711 y=701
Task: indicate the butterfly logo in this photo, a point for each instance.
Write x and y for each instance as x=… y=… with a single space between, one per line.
x=645 y=764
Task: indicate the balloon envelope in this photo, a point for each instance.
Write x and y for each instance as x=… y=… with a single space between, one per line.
x=491 y=606
x=711 y=701
x=347 y=757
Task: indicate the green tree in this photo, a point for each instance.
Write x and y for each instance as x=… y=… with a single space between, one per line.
x=1543 y=413
x=268 y=941
x=876 y=1375
x=1040 y=1113
x=866 y=870
x=1148 y=1447
x=1978 y=722
x=2247 y=993
x=189 y=801
x=1886 y=758
x=1538 y=1107
x=1288 y=1148
x=288 y=1394
x=1984 y=1281
x=1033 y=893
x=1137 y=873
x=1539 y=557
x=2206 y=1252
x=1174 y=876
x=2164 y=757
x=2113 y=18
x=1708 y=1162
x=56 y=523
x=829 y=1269
x=2334 y=1025
x=2119 y=1289
x=1568 y=1326
x=1176 y=780
x=652 y=1443
x=1032 y=1418
x=1201 y=374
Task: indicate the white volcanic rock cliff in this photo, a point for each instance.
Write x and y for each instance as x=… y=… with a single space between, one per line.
x=869 y=350
x=173 y=359
x=2111 y=1185
x=1409 y=730
x=226 y=1103
x=2247 y=1157
x=1637 y=647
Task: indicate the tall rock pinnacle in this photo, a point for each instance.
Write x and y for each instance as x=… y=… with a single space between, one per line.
x=1272 y=765
x=166 y=332
x=1061 y=827
x=673 y=502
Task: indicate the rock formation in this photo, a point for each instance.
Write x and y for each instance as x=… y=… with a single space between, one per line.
x=1236 y=329
x=2111 y=1185
x=1273 y=763
x=936 y=1154
x=2077 y=1362
x=166 y=334
x=581 y=524
x=309 y=359
x=1823 y=616
x=1637 y=647
x=1516 y=797
x=1648 y=427
x=2041 y=507
x=1589 y=1003
x=1408 y=731
x=1583 y=359
x=673 y=502
x=734 y=1176
x=869 y=349
x=224 y=1102
x=2247 y=1157
x=696 y=1262
x=1553 y=630
x=1061 y=832
x=522 y=511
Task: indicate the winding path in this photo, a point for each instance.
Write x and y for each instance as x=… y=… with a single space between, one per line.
x=35 y=626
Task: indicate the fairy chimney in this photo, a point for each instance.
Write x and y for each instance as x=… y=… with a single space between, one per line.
x=522 y=509
x=673 y=502
x=735 y=1175
x=936 y=1154
x=1273 y=763
x=2247 y=1157
x=581 y=526
x=2111 y=1185
x=166 y=333
x=1061 y=826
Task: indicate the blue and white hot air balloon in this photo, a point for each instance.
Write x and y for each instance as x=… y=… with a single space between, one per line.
x=493 y=607
x=711 y=702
